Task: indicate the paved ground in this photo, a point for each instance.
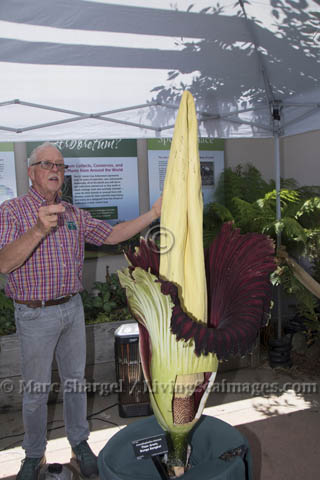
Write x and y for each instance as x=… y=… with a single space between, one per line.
x=271 y=408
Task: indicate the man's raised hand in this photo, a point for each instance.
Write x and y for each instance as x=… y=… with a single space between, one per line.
x=48 y=218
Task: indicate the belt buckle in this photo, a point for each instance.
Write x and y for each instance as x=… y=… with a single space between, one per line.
x=63 y=299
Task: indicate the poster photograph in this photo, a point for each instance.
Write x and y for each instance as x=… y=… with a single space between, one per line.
x=211 y=152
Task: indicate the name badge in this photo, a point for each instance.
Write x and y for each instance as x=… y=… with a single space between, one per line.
x=72 y=226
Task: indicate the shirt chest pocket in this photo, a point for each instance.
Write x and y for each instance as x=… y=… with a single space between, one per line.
x=70 y=240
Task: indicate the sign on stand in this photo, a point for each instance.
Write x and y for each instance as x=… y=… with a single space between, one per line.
x=152 y=447
x=102 y=177
x=211 y=152
x=8 y=184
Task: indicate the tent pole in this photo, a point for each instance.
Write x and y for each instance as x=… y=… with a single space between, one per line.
x=278 y=217
x=278 y=177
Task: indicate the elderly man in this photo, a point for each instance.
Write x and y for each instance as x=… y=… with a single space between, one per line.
x=42 y=242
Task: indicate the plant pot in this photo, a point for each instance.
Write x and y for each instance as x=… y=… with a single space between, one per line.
x=280 y=352
x=210 y=440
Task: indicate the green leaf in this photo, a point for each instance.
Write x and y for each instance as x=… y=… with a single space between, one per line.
x=106 y=296
x=97 y=302
x=109 y=306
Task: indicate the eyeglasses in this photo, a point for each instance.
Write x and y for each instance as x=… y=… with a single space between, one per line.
x=49 y=165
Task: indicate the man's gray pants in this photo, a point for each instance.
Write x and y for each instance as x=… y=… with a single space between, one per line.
x=46 y=332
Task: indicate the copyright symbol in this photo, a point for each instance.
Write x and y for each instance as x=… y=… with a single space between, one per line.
x=6 y=386
x=161 y=236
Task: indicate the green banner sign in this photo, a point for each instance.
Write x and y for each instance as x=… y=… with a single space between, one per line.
x=93 y=148
x=6 y=147
x=216 y=144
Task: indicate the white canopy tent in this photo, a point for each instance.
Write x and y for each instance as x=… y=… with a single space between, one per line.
x=98 y=69
x=84 y=69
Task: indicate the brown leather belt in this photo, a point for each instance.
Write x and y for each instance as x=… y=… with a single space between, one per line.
x=46 y=303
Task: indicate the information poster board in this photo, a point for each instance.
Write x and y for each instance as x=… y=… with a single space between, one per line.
x=211 y=152
x=8 y=183
x=102 y=177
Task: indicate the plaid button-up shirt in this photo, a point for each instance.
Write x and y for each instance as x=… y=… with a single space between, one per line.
x=54 y=269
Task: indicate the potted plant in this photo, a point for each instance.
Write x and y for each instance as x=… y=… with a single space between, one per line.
x=193 y=307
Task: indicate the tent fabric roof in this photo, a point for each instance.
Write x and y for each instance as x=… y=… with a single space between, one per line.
x=98 y=69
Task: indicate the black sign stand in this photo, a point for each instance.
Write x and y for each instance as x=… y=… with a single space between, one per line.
x=153 y=447
x=160 y=467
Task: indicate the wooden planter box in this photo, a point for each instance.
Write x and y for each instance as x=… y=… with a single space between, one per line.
x=100 y=365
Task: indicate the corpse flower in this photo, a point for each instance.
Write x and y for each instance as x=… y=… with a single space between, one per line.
x=193 y=307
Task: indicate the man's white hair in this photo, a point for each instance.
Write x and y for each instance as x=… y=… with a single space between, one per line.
x=34 y=154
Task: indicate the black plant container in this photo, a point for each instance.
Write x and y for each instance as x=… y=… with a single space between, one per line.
x=294 y=325
x=280 y=352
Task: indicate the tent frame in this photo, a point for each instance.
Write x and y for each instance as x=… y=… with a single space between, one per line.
x=276 y=109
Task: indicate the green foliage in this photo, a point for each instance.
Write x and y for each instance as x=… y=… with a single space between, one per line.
x=309 y=191
x=306 y=302
x=7 y=323
x=308 y=213
x=244 y=182
x=214 y=216
x=250 y=202
x=107 y=302
x=251 y=217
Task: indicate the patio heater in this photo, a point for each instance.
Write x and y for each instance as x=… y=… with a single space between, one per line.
x=133 y=395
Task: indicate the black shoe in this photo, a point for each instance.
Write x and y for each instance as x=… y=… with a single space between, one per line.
x=30 y=468
x=86 y=459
